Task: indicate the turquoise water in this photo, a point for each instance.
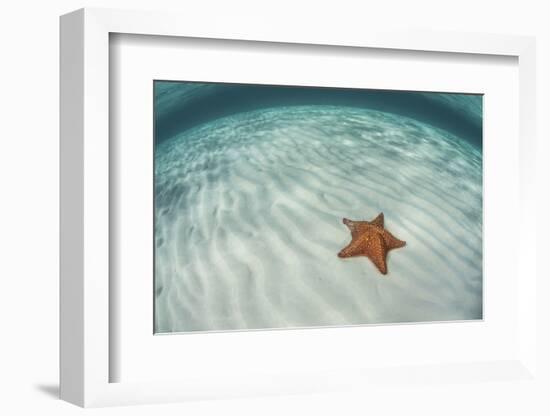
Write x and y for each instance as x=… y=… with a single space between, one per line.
x=249 y=205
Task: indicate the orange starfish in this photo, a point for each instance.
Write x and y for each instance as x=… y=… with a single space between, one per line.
x=371 y=239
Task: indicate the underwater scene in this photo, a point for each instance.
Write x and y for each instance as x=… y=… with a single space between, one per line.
x=295 y=207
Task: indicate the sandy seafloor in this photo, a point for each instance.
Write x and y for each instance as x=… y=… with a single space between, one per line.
x=249 y=213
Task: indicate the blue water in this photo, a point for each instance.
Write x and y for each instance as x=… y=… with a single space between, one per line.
x=180 y=106
x=252 y=183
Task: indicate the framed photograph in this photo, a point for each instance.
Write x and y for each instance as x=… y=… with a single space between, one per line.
x=270 y=211
x=252 y=184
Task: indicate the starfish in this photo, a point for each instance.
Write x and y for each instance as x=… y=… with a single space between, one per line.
x=371 y=239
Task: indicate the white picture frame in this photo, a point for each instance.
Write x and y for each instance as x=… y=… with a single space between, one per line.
x=85 y=353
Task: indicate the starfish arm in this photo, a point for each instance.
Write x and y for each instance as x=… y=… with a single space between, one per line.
x=379 y=220
x=354 y=248
x=355 y=227
x=376 y=251
x=351 y=226
x=391 y=242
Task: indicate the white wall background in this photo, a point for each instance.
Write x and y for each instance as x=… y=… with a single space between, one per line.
x=29 y=206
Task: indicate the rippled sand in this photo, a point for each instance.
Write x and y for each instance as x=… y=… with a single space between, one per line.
x=249 y=215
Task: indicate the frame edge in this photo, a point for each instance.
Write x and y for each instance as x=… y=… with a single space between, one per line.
x=71 y=202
